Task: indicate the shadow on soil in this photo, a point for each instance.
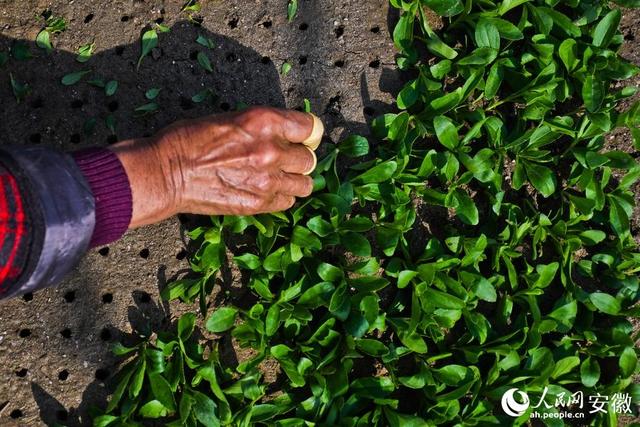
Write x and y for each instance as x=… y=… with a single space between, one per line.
x=241 y=75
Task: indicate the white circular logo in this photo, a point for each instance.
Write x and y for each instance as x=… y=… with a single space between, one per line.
x=509 y=404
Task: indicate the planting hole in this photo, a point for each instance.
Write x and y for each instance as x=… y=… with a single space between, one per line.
x=88 y=18
x=160 y=20
x=107 y=298
x=339 y=63
x=37 y=103
x=302 y=60
x=35 y=138
x=113 y=106
x=76 y=103
x=124 y=18
x=375 y=29
x=186 y=103
x=27 y=297
x=70 y=296
x=63 y=375
x=105 y=334
x=22 y=372
x=101 y=374
x=231 y=57
x=16 y=413
x=75 y=138
x=339 y=31
x=144 y=253
x=267 y=24
x=304 y=26
x=119 y=50
x=104 y=251
x=369 y=111
x=225 y=106
x=374 y=64
x=66 y=333
x=193 y=55
x=233 y=23
x=181 y=255
x=112 y=139
x=24 y=333
x=265 y=60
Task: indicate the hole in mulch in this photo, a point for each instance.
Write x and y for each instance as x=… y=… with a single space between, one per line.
x=62 y=414
x=75 y=138
x=28 y=296
x=339 y=31
x=66 y=333
x=160 y=20
x=104 y=251
x=70 y=296
x=113 y=106
x=24 y=333
x=629 y=37
x=16 y=413
x=119 y=50
x=124 y=18
x=112 y=139
x=303 y=27
x=303 y=60
x=339 y=63
x=77 y=103
x=37 y=103
x=144 y=254
x=144 y=297
x=225 y=106
x=265 y=60
x=105 y=334
x=22 y=372
x=102 y=374
x=35 y=138
x=375 y=29
x=233 y=22
x=63 y=375
x=375 y=63
x=107 y=298
x=193 y=55
x=267 y=24
x=181 y=255
x=232 y=57
x=88 y=18
x=369 y=111
x=197 y=20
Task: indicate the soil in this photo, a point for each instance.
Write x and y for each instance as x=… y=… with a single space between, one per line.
x=55 y=361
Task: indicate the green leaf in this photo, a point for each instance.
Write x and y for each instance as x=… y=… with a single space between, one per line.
x=186 y=324
x=221 y=319
x=73 y=78
x=628 y=362
x=487 y=34
x=111 y=87
x=568 y=53
x=85 y=52
x=153 y=409
x=204 y=409
x=304 y=238
x=356 y=243
x=605 y=303
x=593 y=92
x=541 y=177
x=446 y=132
x=589 y=372
x=465 y=208
x=285 y=68
x=152 y=93
x=606 y=28
x=292 y=10
x=162 y=391
x=354 y=146
x=379 y=173
x=445 y=7
x=204 y=62
x=43 y=41
x=149 y=42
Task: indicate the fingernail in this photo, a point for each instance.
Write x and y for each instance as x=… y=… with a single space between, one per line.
x=313 y=141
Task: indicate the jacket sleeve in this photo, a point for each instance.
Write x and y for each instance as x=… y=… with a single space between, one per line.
x=59 y=209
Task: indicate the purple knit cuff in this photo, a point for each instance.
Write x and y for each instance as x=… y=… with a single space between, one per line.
x=111 y=189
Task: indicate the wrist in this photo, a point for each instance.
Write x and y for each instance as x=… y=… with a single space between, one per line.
x=152 y=197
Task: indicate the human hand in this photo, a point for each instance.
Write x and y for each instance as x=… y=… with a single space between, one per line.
x=242 y=163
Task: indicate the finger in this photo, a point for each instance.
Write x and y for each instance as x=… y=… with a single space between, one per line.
x=297 y=158
x=295 y=185
x=281 y=202
x=313 y=141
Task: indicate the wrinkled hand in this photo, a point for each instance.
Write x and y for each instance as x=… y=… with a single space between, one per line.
x=228 y=164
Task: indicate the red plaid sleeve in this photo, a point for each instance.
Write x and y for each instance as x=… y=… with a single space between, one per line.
x=14 y=232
